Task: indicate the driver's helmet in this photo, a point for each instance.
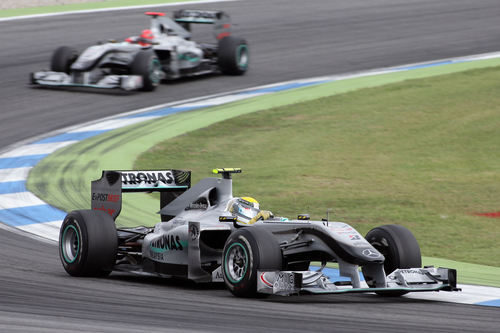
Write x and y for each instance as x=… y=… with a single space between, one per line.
x=244 y=208
x=146 y=37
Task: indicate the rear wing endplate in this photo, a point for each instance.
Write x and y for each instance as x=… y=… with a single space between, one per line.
x=107 y=191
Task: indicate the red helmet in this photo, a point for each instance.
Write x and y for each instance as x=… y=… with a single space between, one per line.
x=146 y=37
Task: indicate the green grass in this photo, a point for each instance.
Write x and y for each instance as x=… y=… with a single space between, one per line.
x=422 y=153
x=82 y=6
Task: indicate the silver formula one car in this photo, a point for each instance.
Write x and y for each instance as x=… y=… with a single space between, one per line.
x=207 y=235
x=165 y=51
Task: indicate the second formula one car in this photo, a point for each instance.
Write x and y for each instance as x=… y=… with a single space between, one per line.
x=165 y=51
x=207 y=235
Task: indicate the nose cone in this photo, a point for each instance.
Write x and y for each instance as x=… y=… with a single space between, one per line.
x=371 y=254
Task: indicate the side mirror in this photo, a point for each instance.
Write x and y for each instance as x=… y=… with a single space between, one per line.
x=231 y=219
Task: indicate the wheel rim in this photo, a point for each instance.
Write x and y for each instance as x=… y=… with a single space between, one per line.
x=236 y=262
x=70 y=244
x=242 y=56
x=155 y=72
x=381 y=245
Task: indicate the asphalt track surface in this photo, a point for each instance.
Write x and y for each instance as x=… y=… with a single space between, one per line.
x=289 y=39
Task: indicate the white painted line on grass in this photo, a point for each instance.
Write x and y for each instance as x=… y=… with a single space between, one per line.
x=110 y=124
x=222 y=100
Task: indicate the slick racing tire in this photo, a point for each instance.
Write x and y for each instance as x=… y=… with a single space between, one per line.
x=233 y=56
x=246 y=251
x=147 y=65
x=88 y=243
x=62 y=59
x=399 y=247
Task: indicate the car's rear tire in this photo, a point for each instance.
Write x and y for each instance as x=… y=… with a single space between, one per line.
x=233 y=55
x=62 y=59
x=399 y=247
x=88 y=243
x=147 y=65
x=246 y=251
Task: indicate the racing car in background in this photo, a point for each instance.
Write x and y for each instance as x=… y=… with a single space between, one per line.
x=207 y=235
x=165 y=51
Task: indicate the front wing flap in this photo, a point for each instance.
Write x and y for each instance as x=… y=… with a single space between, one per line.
x=59 y=79
x=287 y=283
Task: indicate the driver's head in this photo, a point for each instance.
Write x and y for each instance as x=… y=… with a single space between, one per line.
x=244 y=208
x=146 y=37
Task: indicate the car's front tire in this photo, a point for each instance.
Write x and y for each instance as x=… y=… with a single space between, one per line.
x=62 y=59
x=399 y=247
x=88 y=243
x=247 y=251
x=147 y=65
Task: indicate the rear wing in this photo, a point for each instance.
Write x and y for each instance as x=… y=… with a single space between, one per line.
x=107 y=191
x=160 y=23
x=220 y=19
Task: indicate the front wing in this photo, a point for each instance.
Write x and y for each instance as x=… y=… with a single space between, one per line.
x=287 y=283
x=59 y=79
